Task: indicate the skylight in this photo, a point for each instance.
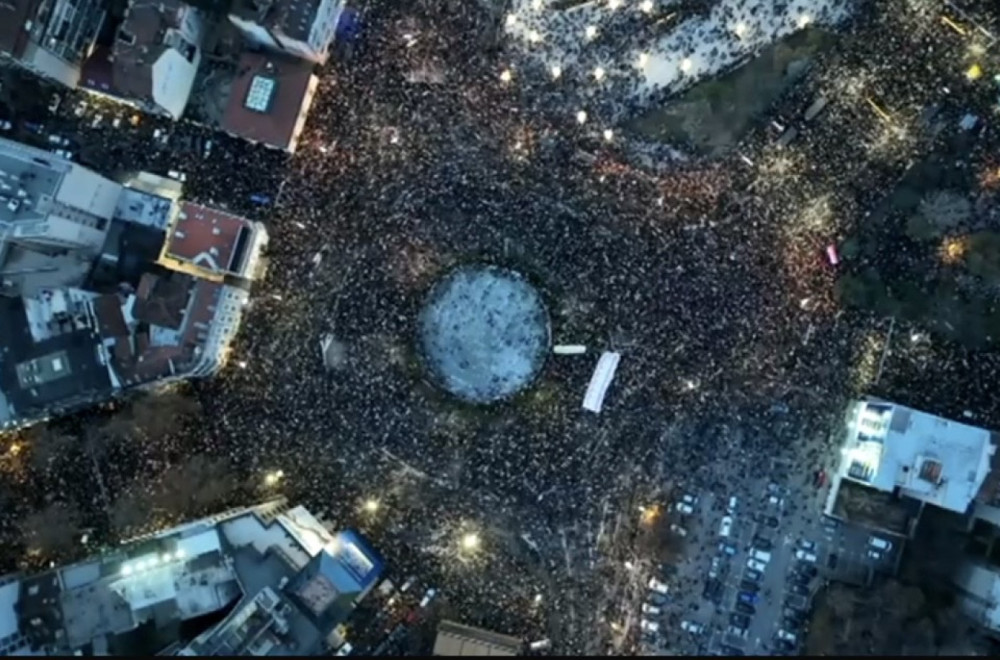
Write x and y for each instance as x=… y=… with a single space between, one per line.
x=260 y=93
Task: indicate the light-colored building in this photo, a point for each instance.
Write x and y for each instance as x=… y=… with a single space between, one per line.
x=286 y=578
x=105 y=286
x=978 y=589
x=301 y=28
x=899 y=450
x=456 y=639
x=52 y=38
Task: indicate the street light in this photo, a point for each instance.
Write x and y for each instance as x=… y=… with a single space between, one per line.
x=470 y=542
x=511 y=20
x=609 y=135
x=591 y=31
x=505 y=76
x=371 y=505
x=599 y=74
x=686 y=64
x=643 y=60
x=272 y=478
x=646 y=6
x=556 y=71
x=581 y=117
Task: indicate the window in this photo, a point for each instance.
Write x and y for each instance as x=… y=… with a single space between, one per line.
x=260 y=94
x=125 y=36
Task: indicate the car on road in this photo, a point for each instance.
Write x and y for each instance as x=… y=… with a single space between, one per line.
x=745 y=608
x=749 y=585
x=802 y=555
x=880 y=544
x=651 y=609
x=657 y=586
x=692 y=627
x=756 y=565
x=727 y=548
x=772 y=522
x=749 y=598
x=800 y=589
x=726 y=527
x=649 y=626
x=739 y=620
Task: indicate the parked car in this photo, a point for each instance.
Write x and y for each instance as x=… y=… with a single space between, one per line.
x=713 y=570
x=800 y=589
x=762 y=542
x=651 y=609
x=692 y=627
x=713 y=590
x=784 y=645
x=880 y=544
x=739 y=620
x=799 y=578
x=685 y=508
x=802 y=555
x=656 y=599
x=657 y=586
x=737 y=631
x=791 y=623
x=808 y=570
x=784 y=634
x=749 y=585
x=874 y=555
x=726 y=527
x=732 y=651
x=745 y=608
x=753 y=574
x=668 y=569
x=689 y=499
x=772 y=522
x=727 y=548
x=649 y=626
x=749 y=598
x=731 y=508
x=678 y=530
x=807 y=545
x=756 y=565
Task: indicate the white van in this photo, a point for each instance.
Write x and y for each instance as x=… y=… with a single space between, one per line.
x=762 y=556
x=880 y=543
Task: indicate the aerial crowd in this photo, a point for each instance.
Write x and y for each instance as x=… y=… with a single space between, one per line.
x=709 y=277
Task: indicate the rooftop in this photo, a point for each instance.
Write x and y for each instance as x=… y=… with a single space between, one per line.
x=928 y=458
x=457 y=639
x=269 y=99
x=240 y=561
x=292 y=18
x=209 y=238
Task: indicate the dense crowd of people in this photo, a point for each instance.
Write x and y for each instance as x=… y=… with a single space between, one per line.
x=707 y=276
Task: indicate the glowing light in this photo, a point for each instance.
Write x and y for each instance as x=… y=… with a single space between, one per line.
x=804 y=20
x=614 y=4
x=646 y=6
x=506 y=76
x=690 y=385
x=591 y=31
x=556 y=71
x=609 y=135
x=511 y=20
x=686 y=64
x=581 y=117
x=953 y=249
x=15 y=449
x=534 y=36
x=470 y=542
x=599 y=74
x=272 y=478
x=180 y=554
x=650 y=514
x=740 y=29
x=643 y=60
x=536 y=5
x=975 y=72
x=538 y=598
x=371 y=505
x=242 y=364
x=629 y=566
x=126 y=570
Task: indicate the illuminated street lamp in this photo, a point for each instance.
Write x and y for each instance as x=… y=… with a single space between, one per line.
x=646 y=6
x=614 y=4
x=534 y=36
x=609 y=135
x=272 y=478
x=591 y=31
x=470 y=542
x=505 y=76
x=511 y=20
x=371 y=505
x=804 y=20
x=556 y=71
x=686 y=64
x=643 y=60
x=242 y=364
x=536 y=5
x=599 y=74
x=740 y=29
x=581 y=117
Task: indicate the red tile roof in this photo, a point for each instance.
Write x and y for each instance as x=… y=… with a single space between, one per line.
x=275 y=126
x=206 y=237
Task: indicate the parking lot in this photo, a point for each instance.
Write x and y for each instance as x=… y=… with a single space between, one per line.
x=752 y=566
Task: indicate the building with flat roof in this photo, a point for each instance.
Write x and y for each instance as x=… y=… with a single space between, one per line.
x=978 y=589
x=457 y=639
x=52 y=38
x=263 y=580
x=911 y=454
x=105 y=286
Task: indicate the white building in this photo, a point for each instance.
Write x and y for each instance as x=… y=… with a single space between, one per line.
x=892 y=448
